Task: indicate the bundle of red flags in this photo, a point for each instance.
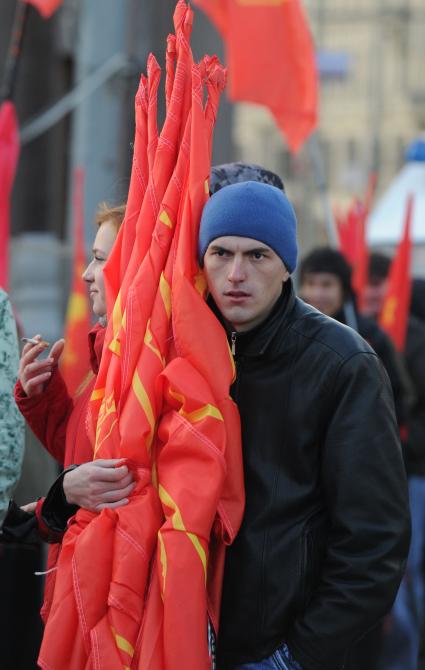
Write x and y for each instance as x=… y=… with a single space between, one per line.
x=137 y=586
x=271 y=59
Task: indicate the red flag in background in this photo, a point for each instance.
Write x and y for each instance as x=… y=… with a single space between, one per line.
x=271 y=60
x=352 y=238
x=137 y=586
x=75 y=363
x=395 y=310
x=9 y=154
x=45 y=7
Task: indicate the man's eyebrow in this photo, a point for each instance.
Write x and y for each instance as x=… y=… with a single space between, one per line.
x=257 y=250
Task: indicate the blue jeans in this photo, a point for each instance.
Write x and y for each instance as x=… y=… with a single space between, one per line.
x=281 y=659
x=407 y=618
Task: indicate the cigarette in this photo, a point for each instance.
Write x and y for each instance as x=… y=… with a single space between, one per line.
x=31 y=340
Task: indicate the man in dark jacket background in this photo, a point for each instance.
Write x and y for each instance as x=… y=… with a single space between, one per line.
x=407 y=621
x=324 y=281
x=321 y=550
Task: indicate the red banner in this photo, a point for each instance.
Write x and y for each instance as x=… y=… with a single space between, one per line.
x=46 y=7
x=271 y=60
x=9 y=154
x=395 y=311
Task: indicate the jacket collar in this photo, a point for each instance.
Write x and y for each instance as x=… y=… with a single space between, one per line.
x=256 y=342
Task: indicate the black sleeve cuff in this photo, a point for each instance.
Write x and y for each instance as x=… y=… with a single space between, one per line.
x=56 y=510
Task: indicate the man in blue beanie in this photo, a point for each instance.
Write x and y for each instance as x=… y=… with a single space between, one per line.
x=321 y=549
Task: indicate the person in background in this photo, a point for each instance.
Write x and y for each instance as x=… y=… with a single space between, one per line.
x=11 y=423
x=407 y=620
x=321 y=549
x=324 y=281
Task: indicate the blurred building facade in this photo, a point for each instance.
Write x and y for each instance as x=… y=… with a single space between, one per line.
x=370 y=56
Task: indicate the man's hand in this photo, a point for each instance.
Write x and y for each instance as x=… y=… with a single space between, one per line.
x=33 y=373
x=99 y=484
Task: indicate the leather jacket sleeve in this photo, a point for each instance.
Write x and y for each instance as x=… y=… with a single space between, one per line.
x=364 y=485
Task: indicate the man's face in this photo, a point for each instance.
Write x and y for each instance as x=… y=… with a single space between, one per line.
x=374 y=294
x=323 y=290
x=245 y=279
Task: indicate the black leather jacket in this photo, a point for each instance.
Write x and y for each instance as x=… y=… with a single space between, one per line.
x=322 y=546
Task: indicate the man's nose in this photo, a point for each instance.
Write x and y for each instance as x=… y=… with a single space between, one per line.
x=237 y=269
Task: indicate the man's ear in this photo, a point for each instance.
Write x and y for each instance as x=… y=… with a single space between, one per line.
x=286 y=276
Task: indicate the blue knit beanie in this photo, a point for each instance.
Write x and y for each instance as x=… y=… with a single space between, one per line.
x=251 y=209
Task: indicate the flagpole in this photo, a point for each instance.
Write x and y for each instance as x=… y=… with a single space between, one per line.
x=320 y=177
x=14 y=52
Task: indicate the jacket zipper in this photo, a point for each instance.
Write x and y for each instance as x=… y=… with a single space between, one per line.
x=233 y=341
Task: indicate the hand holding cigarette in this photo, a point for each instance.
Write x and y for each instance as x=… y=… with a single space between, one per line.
x=34 y=373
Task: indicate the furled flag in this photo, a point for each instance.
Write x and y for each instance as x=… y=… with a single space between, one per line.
x=395 y=310
x=139 y=586
x=9 y=153
x=75 y=361
x=352 y=238
x=46 y=7
x=271 y=60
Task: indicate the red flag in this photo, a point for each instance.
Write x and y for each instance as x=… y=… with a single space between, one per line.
x=9 y=154
x=137 y=585
x=271 y=60
x=75 y=363
x=46 y=7
x=395 y=310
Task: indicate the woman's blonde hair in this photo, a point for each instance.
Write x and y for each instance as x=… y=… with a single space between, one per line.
x=113 y=214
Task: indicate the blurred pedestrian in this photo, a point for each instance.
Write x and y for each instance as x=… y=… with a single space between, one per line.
x=325 y=283
x=321 y=549
x=407 y=620
x=11 y=422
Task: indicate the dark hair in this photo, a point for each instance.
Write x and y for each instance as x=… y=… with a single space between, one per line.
x=234 y=173
x=379 y=265
x=325 y=259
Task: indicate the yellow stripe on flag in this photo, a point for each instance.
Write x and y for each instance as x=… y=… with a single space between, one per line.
x=123 y=644
x=144 y=401
x=165 y=291
x=163 y=558
x=117 y=315
x=115 y=347
x=207 y=187
x=97 y=394
x=178 y=524
x=202 y=413
x=149 y=343
x=164 y=218
x=389 y=311
x=77 y=307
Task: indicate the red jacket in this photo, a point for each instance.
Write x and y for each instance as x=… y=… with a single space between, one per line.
x=58 y=420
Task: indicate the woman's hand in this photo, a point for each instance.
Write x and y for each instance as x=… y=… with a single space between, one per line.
x=99 y=484
x=29 y=507
x=33 y=373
